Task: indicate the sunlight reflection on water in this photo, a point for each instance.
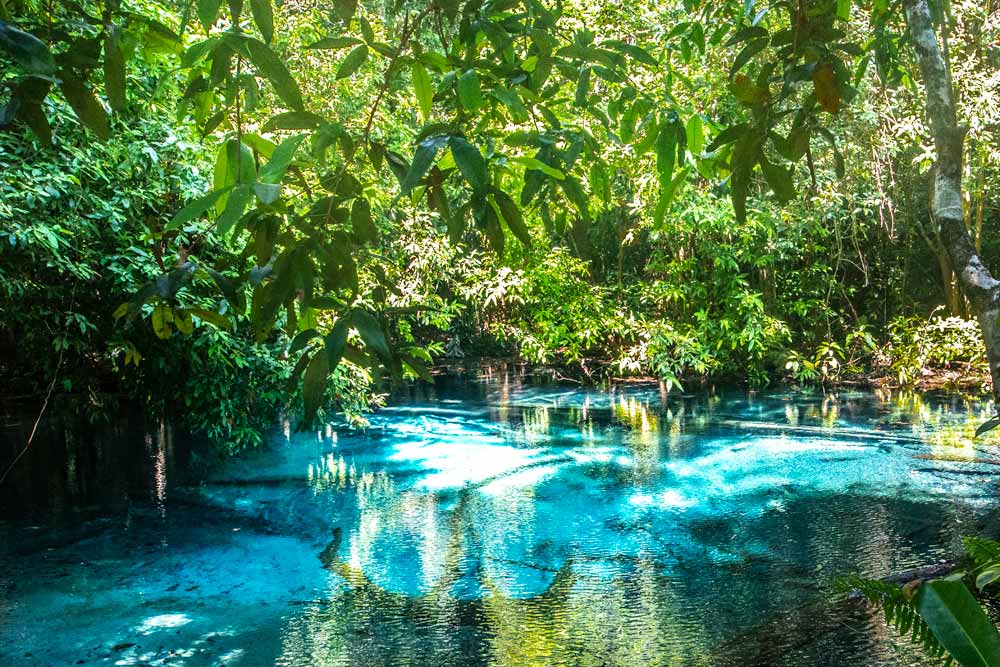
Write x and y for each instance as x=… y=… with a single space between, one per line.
x=510 y=525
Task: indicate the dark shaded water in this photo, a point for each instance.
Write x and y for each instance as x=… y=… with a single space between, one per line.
x=495 y=523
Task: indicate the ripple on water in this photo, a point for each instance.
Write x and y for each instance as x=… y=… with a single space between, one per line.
x=517 y=526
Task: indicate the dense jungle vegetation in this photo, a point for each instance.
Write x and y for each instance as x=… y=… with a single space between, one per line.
x=232 y=210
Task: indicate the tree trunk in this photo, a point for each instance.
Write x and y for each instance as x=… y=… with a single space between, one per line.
x=948 y=286
x=981 y=288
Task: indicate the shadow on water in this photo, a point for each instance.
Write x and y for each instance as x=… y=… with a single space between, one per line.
x=494 y=522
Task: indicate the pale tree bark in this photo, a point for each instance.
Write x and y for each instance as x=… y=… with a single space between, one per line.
x=981 y=288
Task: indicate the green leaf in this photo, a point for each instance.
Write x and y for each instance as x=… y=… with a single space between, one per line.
x=747 y=34
x=423 y=90
x=163 y=317
x=233 y=165
x=208 y=12
x=229 y=291
x=728 y=136
x=582 y=87
x=748 y=52
x=739 y=186
x=114 y=70
x=85 y=105
x=302 y=339
x=361 y=221
x=26 y=50
x=345 y=9
x=959 y=623
x=470 y=91
x=695 y=134
x=236 y=204
x=275 y=169
x=423 y=158
x=844 y=10
x=573 y=189
x=666 y=152
x=470 y=162
x=635 y=52
x=511 y=214
x=215 y=319
x=372 y=333
x=273 y=67
x=667 y=196
x=263 y=16
x=196 y=208
x=334 y=43
x=780 y=179
x=267 y=193
x=988 y=576
x=988 y=425
x=355 y=59
x=314 y=385
x=535 y=163
x=489 y=223
x=335 y=341
x=294 y=120
x=600 y=184
x=32 y=115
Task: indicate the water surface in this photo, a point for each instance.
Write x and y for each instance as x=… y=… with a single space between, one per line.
x=497 y=523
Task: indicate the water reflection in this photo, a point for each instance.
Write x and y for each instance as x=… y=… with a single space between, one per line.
x=504 y=524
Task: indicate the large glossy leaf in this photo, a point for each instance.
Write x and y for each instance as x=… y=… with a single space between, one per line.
x=423 y=158
x=372 y=333
x=212 y=317
x=355 y=59
x=748 y=52
x=85 y=105
x=422 y=90
x=26 y=50
x=340 y=42
x=163 y=318
x=582 y=87
x=535 y=163
x=32 y=115
x=236 y=301
x=695 y=134
x=274 y=170
x=988 y=425
x=196 y=208
x=234 y=164
x=273 y=67
x=294 y=120
x=114 y=70
x=511 y=214
x=236 y=204
x=959 y=622
x=666 y=153
x=470 y=162
x=335 y=341
x=208 y=12
x=780 y=180
x=470 y=91
x=361 y=221
x=263 y=16
x=314 y=385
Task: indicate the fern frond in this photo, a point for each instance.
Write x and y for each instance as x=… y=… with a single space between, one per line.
x=898 y=609
x=983 y=552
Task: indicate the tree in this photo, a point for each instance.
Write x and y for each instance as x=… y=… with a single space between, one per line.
x=489 y=114
x=946 y=196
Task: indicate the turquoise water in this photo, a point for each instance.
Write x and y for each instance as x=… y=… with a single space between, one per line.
x=499 y=523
